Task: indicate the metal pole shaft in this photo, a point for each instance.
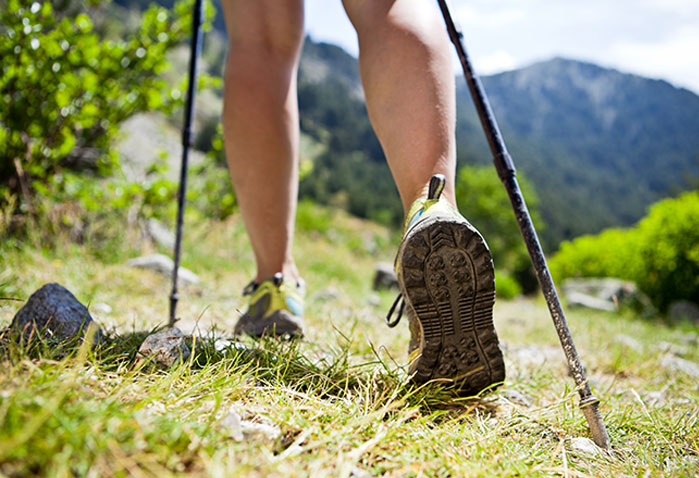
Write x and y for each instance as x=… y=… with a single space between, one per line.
x=195 y=50
x=507 y=173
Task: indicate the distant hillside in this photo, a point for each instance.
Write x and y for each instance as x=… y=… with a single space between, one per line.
x=599 y=145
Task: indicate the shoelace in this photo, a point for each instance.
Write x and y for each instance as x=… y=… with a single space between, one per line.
x=393 y=323
x=437 y=183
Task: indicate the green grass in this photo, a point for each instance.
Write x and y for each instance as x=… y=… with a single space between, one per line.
x=339 y=400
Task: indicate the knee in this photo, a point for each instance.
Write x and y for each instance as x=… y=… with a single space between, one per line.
x=416 y=20
x=267 y=39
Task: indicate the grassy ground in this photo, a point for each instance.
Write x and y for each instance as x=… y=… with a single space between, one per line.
x=336 y=404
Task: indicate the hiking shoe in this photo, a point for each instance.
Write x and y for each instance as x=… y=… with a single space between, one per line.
x=446 y=278
x=275 y=307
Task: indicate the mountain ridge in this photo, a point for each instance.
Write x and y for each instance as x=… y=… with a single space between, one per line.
x=599 y=144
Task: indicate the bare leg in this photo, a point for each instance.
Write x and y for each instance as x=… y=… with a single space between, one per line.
x=260 y=124
x=409 y=85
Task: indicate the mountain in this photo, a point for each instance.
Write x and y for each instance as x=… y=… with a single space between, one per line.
x=598 y=145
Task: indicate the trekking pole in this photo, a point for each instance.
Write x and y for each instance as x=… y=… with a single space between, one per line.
x=195 y=50
x=506 y=171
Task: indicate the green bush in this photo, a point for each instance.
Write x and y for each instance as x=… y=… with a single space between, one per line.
x=660 y=254
x=506 y=286
x=64 y=90
x=483 y=200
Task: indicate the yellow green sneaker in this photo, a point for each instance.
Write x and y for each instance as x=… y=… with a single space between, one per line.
x=447 y=283
x=275 y=307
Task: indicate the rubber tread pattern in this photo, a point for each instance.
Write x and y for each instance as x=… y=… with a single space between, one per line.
x=448 y=279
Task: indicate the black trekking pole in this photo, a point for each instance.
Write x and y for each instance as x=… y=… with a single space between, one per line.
x=195 y=50
x=506 y=171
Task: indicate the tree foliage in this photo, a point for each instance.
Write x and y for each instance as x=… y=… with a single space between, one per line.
x=483 y=200
x=660 y=254
x=64 y=90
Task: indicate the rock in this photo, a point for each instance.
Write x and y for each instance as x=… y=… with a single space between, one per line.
x=683 y=310
x=584 y=445
x=328 y=294
x=165 y=348
x=577 y=299
x=629 y=342
x=674 y=349
x=54 y=311
x=516 y=397
x=657 y=398
x=535 y=356
x=239 y=429
x=680 y=365
x=689 y=339
x=373 y=300
x=160 y=234
x=614 y=292
x=385 y=277
x=164 y=265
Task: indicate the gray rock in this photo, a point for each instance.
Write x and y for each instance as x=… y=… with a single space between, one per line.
x=385 y=277
x=165 y=348
x=516 y=397
x=615 y=292
x=629 y=342
x=330 y=293
x=54 y=311
x=164 y=265
x=683 y=310
x=239 y=429
x=674 y=349
x=160 y=234
x=584 y=445
x=578 y=299
x=680 y=365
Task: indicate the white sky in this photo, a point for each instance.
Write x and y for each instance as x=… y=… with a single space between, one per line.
x=653 y=38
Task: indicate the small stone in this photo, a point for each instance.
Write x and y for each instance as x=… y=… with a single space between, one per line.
x=239 y=429
x=578 y=299
x=656 y=398
x=164 y=265
x=385 y=276
x=629 y=342
x=517 y=397
x=677 y=364
x=233 y=425
x=683 y=310
x=357 y=472
x=674 y=349
x=54 y=311
x=373 y=300
x=101 y=308
x=584 y=445
x=160 y=234
x=328 y=294
x=607 y=293
x=165 y=348
x=690 y=339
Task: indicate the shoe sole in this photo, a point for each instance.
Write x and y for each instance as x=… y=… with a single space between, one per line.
x=447 y=276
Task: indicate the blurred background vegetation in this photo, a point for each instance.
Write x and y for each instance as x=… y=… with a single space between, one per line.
x=595 y=147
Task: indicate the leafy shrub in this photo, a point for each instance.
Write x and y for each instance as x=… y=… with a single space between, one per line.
x=660 y=254
x=506 y=286
x=64 y=90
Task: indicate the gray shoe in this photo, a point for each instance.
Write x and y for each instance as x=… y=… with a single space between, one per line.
x=275 y=308
x=446 y=277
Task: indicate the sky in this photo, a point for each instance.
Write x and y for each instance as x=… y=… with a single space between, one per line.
x=652 y=38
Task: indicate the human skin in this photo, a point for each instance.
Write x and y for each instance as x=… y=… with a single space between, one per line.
x=409 y=88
